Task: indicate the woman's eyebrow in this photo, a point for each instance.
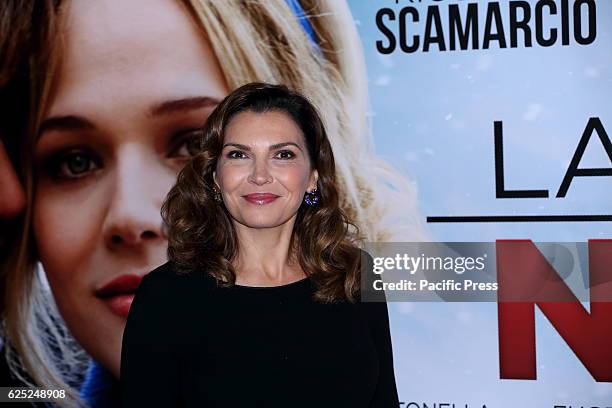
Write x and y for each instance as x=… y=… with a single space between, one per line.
x=272 y=147
x=76 y=123
x=283 y=144
x=238 y=145
x=183 y=104
x=65 y=123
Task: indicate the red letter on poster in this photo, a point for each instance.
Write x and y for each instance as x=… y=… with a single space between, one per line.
x=526 y=279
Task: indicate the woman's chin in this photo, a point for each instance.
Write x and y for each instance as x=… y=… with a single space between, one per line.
x=259 y=219
x=262 y=223
x=100 y=334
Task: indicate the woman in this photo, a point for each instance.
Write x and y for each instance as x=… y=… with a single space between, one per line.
x=258 y=304
x=94 y=187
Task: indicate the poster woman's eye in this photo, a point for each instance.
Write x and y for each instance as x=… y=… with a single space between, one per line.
x=72 y=164
x=187 y=144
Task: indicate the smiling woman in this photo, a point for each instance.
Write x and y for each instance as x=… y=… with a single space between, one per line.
x=249 y=153
x=248 y=251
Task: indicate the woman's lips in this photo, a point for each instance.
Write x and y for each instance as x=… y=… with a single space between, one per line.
x=120 y=304
x=260 y=198
x=119 y=293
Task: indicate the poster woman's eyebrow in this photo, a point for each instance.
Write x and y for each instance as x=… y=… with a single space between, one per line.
x=184 y=104
x=65 y=123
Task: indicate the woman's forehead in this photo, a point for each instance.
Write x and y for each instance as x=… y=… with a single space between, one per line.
x=117 y=49
x=263 y=129
x=102 y=29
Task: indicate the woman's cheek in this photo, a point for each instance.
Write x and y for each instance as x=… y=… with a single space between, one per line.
x=232 y=175
x=292 y=175
x=66 y=227
x=67 y=230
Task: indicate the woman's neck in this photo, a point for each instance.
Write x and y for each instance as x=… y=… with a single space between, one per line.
x=263 y=256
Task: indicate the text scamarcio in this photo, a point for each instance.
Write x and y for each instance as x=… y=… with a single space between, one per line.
x=473 y=26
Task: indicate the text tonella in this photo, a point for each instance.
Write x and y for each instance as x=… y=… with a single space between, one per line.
x=439 y=405
x=473 y=26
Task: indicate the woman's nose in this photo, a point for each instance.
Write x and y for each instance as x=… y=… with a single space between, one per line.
x=260 y=173
x=140 y=185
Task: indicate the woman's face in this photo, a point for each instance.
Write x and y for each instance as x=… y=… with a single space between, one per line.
x=264 y=153
x=136 y=83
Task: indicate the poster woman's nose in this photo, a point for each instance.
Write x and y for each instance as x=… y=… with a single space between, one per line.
x=133 y=213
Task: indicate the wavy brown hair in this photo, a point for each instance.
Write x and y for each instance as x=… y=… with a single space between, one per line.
x=201 y=234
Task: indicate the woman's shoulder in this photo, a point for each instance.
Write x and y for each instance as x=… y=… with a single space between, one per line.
x=373 y=302
x=164 y=286
x=367 y=279
x=164 y=273
x=164 y=304
x=169 y=273
x=169 y=282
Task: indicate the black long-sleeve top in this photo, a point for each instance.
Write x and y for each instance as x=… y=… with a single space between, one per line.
x=191 y=343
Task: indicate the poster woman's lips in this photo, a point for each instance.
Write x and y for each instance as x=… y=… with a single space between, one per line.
x=118 y=294
x=260 y=198
x=120 y=304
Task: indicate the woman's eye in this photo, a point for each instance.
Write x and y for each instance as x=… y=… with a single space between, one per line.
x=285 y=154
x=236 y=154
x=188 y=144
x=72 y=164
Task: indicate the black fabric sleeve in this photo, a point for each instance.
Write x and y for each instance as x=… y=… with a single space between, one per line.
x=149 y=375
x=377 y=317
x=386 y=390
